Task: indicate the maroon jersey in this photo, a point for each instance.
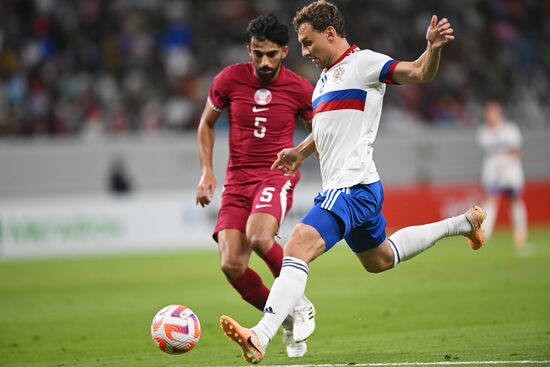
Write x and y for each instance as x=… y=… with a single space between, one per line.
x=262 y=116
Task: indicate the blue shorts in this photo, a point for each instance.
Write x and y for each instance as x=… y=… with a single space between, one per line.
x=353 y=213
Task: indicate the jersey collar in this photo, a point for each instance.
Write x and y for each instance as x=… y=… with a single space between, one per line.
x=353 y=48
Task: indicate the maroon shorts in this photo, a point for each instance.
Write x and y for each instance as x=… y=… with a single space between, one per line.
x=271 y=195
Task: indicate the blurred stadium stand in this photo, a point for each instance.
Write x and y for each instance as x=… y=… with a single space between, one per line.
x=167 y=162
x=93 y=82
x=94 y=67
x=100 y=96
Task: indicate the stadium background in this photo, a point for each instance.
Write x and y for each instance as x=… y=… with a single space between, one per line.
x=99 y=102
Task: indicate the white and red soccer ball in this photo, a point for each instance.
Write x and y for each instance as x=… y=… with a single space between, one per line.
x=176 y=329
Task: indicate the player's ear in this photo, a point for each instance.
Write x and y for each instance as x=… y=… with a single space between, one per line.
x=330 y=33
x=284 y=51
x=249 y=49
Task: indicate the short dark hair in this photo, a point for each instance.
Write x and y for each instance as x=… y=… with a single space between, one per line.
x=321 y=14
x=267 y=27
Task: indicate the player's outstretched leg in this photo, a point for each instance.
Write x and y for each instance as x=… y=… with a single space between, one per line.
x=475 y=217
x=304 y=319
x=410 y=241
x=253 y=352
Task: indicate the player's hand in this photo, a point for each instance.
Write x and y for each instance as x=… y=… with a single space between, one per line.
x=288 y=161
x=439 y=33
x=205 y=189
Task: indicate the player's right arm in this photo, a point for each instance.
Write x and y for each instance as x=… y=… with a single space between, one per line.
x=290 y=159
x=424 y=69
x=207 y=183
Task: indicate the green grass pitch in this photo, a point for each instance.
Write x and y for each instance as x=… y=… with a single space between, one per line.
x=448 y=304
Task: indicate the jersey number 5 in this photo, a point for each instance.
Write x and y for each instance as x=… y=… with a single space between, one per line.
x=259 y=130
x=267 y=195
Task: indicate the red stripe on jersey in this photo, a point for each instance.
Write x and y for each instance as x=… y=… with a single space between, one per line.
x=389 y=74
x=340 y=104
x=353 y=48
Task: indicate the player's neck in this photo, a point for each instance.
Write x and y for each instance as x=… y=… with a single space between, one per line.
x=340 y=47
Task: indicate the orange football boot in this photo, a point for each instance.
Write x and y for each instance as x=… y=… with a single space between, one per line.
x=253 y=352
x=475 y=216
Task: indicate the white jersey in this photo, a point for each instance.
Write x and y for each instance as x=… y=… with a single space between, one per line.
x=502 y=169
x=347 y=103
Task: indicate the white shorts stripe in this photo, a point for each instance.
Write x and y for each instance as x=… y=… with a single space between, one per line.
x=330 y=192
x=331 y=197
x=283 y=198
x=334 y=200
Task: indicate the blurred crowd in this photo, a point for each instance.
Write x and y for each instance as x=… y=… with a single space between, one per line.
x=105 y=67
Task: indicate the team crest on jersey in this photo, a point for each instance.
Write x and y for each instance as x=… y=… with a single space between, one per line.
x=338 y=74
x=262 y=96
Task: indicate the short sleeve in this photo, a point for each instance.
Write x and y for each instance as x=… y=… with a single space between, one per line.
x=217 y=95
x=306 y=109
x=374 y=67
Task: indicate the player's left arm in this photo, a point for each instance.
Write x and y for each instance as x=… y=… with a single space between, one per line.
x=308 y=125
x=290 y=159
x=424 y=69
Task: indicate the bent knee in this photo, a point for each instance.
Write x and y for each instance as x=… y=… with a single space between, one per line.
x=233 y=268
x=378 y=265
x=304 y=243
x=376 y=268
x=260 y=241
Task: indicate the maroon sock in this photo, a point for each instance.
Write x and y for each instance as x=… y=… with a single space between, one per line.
x=251 y=288
x=274 y=259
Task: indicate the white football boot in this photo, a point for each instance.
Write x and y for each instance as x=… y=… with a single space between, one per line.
x=304 y=320
x=294 y=349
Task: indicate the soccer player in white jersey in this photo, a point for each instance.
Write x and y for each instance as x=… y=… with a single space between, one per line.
x=502 y=172
x=347 y=103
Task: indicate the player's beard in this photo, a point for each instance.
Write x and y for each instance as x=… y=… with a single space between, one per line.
x=266 y=74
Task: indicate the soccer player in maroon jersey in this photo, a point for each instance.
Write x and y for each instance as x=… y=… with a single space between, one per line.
x=264 y=100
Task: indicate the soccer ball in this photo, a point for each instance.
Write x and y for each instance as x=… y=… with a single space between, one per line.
x=176 y=329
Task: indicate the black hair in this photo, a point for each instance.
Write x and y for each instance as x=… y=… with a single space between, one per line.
x=267 y=27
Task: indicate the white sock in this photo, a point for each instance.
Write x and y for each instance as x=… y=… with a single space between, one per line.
x=490 y=208
x=519 y=218
x=286 y=292
x=410 y=241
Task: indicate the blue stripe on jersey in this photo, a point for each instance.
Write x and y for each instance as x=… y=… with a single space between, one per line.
x=341 y=94
x=384 y=72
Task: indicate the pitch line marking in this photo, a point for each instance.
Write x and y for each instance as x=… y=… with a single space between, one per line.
x=396 y=364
